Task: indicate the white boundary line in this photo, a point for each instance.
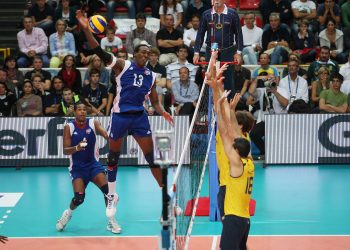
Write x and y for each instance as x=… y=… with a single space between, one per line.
x=213 y=244
x=194 y=236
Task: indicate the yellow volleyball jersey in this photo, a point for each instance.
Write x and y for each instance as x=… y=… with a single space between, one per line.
x=238 y=191
x=222 y=160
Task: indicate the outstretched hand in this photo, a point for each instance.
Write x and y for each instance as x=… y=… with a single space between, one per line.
x=168 y=118
x=82 y=19
x=234 y=101
x=223 y=97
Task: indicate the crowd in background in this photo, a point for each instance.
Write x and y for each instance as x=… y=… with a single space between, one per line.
x=311 y=37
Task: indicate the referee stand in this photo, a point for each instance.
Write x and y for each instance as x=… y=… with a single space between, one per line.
x=164 y=156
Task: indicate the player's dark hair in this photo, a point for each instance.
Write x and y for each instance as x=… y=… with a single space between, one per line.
x=81 y=101
x=246 y=119
x=243 y=147
x=138 y=47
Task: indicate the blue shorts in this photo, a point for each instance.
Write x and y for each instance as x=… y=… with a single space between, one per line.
x=86 y=172
x=135 y=124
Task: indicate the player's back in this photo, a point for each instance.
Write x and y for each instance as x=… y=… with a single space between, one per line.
x=133 y=84
x=90 y=153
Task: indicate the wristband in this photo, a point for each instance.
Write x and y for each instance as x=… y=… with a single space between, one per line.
x=76 y=148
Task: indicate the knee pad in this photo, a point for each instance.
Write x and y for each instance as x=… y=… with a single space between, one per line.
x=78 y=198
x=113 y=158
x=150 y=159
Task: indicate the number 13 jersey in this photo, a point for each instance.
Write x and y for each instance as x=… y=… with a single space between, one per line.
x=133 y=84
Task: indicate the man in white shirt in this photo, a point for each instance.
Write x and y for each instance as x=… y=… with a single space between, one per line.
x=251 y=39
x=304 y=9
x=190 y=37
x=345 y=72
x=291 y=88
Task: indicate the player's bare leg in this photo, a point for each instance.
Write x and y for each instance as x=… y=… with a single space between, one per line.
x=113 y=158
x=101 y=182
x=146 y=145
x=78 y=199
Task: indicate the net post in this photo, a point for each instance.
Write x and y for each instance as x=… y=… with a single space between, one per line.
x=164 y=158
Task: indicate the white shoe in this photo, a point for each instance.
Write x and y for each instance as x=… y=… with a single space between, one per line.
x=113 y=226
x=112 y=200
x=62 y=222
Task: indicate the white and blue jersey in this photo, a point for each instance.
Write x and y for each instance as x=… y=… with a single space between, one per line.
x=133 y=84
x=84 y=163
x=128 y=113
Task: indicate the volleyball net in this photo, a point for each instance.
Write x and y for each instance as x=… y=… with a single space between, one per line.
x=188 y=179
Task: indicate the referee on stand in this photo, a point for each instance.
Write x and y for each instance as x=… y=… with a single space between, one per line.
x=224 y=31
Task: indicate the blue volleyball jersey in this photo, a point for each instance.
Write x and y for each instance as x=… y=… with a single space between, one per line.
x=133 y=84
x=85 y=157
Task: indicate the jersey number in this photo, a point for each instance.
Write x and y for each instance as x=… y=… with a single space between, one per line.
x=249 y=186
x=138 y=80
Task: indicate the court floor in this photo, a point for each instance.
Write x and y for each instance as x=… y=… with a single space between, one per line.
x=304 y=207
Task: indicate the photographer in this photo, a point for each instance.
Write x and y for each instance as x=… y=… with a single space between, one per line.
x=294 y=85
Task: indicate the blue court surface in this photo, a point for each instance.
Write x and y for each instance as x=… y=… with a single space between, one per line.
x=291 y=200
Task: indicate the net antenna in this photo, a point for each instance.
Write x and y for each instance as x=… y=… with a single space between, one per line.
x=165 y=157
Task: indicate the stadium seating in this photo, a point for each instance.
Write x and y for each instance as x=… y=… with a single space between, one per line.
x=249 y=4
x=231 y=4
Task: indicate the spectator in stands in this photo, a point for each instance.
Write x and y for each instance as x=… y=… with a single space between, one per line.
x=67 y=104
x=7 y=100
x=302 y=72
x=275 y=40
x=136 y=36
x=61 y=44
x=185 y=93
x=168 y=40
x=29 y=104
x=304 y=9
x=304 y=43
x=154 y=4
x=317 y=86
x=345 y=14
x=272 y=74
x=67 y=13
x=324 y=60
x=241 y=77
x=38 y=86
x=4 y=80
x=112 y=4
x=333 y=100
x=283 y=7
x=334 y=39
x=96 y=63
x=326 y=10
x=15 y=77
x=200 y=73
x=154 y=66
x=95 y=93
x=195 y=8
x=294 y=86
x=172 y=70
x=52 y=102
x=38 y=69
x=345 y=72
x=190 y=37
x=252 y=36
x=171 y=7
x=70 y=74
x=111 y=43
x=42 y=15
x=32 y=42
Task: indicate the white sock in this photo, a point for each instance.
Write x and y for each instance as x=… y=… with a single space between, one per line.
x=112 y=187
x=70 y=211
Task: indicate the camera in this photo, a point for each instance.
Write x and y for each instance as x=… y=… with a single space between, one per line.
x=270 y=84
x=292 y=99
